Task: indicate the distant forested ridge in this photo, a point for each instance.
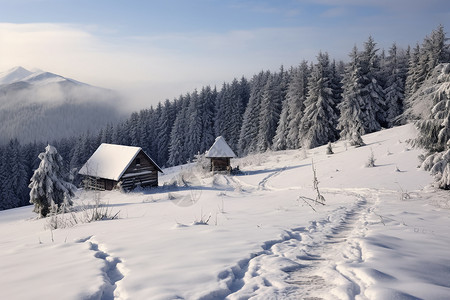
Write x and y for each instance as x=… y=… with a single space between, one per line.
x=303 y=106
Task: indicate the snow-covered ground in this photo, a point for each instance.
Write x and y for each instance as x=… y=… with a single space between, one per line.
x=382 y=233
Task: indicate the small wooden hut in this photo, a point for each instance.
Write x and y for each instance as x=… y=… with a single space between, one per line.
x=113 y=165
x=220 y=154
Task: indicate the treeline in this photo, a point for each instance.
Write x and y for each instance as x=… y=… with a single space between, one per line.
x=305 y=106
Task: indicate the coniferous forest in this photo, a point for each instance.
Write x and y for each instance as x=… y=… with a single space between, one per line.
x=302 y=106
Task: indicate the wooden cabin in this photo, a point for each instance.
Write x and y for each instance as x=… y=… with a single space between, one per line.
x=220 y=155
x=112 y=166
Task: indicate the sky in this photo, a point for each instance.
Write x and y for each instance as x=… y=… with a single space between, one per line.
x=156 y=50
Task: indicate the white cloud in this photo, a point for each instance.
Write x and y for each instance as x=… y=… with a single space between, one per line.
x=152 y=68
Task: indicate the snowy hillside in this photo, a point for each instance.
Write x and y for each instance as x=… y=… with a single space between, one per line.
x=42 y=106
x=382 y=233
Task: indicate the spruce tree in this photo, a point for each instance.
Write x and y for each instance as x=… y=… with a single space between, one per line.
x=295 y=97
x=412 y=81
x=50 y=189
x=17 y=174
x=163 y=129
x=394 y=91
x=351 y=120
x=318 y=124
x=208 y=99
x=178 y=153
x=195 y=126
x=250 y=124
x=374 y=102
x=280 y=138
x=236 y=107
x=434 y=124
x=269 y=114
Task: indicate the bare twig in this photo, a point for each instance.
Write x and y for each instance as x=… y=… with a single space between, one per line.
x=319 y=198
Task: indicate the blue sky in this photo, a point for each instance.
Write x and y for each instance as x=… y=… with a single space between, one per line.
x=153 y=50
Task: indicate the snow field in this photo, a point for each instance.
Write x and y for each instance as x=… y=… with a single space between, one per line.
x=379 y=236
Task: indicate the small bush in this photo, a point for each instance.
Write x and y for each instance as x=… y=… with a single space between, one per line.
x=329 y=149
x=83 y=214
x=371 y=161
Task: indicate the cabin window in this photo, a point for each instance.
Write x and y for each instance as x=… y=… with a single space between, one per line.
x=138 y=161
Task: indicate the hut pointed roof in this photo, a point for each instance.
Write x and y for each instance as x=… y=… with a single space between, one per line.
x=220 y=148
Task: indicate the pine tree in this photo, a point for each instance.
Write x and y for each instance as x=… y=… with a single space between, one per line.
x=336 y=72
x=235 y=114
x=50 y=189
x=280 y=138
x=195 y=126
x=7 y=200
x=424 y=59
x=434 y=125
x=269 y=114
x=374 y=102
x=222 y=111
x=208 y=99
x=178 y=153
x=295 y=97
x=163 y=130
x=412 y=81
x=394 y=90
x=250 y=124
x=434 y=51
x=351 y=120
x=17 y=175
x=133 y=129
x=318 y=124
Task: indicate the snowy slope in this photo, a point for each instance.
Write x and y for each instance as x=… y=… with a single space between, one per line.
x=382 y=234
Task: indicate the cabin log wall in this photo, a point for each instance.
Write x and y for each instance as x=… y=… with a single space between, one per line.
x=145 y=174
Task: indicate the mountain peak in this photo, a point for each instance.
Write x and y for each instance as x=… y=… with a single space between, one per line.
x=14 y=75
x=35 y=77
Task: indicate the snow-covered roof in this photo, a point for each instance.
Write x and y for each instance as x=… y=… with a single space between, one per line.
x=220 y=148
x=110 y=161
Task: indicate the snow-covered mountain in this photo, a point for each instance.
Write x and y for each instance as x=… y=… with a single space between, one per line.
x=36 y=77
x=42 y=106
x=14 y=75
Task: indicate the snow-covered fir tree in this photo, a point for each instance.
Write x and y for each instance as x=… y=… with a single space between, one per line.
x=177 y=149
x=395 y=86
x=164 y=126
x=223 y=111
x=208 y=99
x=374 y=104
x=351 y=120
x=17 y=179
x=237 y=108
x=295 y=98
x=432 y=106
x=412 y=83
x=250 y=124
x=195 y=126
x=280 y=138
x=337 y=70
x=423 y=59
x=270 y=112
x=50 y=188
x=318 y=124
